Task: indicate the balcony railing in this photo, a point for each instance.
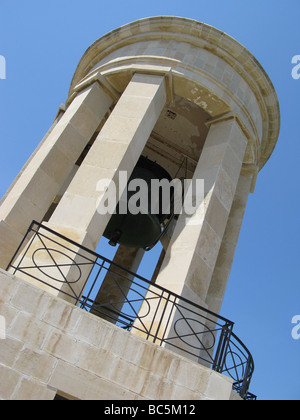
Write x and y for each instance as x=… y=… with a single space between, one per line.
x=133 y=303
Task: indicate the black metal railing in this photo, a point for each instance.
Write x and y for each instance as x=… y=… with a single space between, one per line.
x=126 y=299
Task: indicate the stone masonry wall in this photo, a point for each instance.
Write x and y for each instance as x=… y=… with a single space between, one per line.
x=52 y=346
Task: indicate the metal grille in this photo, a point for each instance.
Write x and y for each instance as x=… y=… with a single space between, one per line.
x=133 y=303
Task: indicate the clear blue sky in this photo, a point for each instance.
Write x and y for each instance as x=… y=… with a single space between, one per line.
x=43 y=42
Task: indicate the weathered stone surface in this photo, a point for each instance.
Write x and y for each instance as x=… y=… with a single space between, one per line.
x=80 y=355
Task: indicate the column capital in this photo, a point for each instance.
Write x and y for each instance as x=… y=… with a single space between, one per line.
x=165 y=72
x=90 y=80
x=99 y=77
x=231 y=116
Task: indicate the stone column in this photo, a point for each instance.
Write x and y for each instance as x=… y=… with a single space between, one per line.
x=117 y=148
x=191 y=257
x=222 y=270
x=194 y=247
x=117 y=283
x=42 y=178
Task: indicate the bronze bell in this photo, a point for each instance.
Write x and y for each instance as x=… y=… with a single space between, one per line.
x=140 y=230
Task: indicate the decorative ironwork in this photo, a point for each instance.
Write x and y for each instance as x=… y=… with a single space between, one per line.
x=155 y=313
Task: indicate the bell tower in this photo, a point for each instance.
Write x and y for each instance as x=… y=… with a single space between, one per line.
x=160 y=100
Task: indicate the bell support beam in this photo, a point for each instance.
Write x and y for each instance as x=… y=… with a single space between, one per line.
x=42 y=178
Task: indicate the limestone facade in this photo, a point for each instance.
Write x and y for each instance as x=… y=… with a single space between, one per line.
x=53 y=347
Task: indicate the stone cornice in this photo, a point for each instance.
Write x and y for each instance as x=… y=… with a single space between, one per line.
x=203 y=36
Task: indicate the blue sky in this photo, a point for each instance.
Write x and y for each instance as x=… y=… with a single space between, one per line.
x=42 y=43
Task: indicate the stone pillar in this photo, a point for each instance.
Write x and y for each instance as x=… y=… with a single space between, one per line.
x=117 y=148
x=194 y=247
x=191 y=257
x=222 y=270
x=117 y=283
x=37 y=186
